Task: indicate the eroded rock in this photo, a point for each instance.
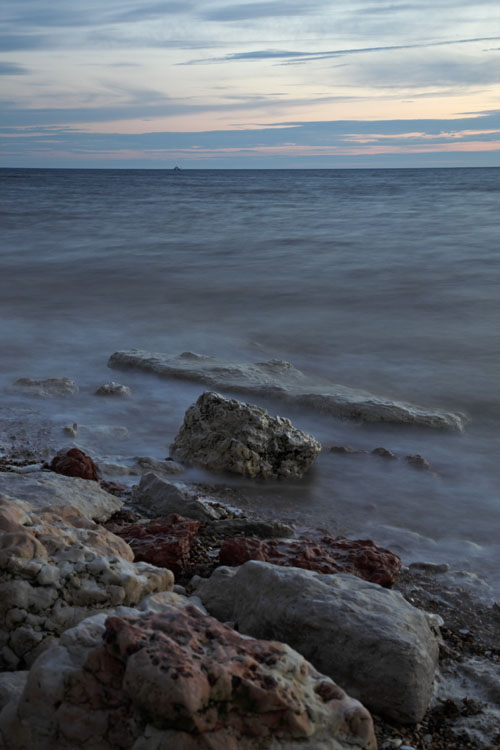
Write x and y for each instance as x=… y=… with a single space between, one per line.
x=359 y=557
x=282 y=380
x=380 y=649
x=164 y=542
x=56 y=568
x=228 y=435
x=179 y=679
x=48 y=388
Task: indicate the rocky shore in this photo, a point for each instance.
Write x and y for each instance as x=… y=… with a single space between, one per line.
x=140 y=611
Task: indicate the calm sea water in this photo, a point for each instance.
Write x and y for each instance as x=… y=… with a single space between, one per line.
x=386 y=280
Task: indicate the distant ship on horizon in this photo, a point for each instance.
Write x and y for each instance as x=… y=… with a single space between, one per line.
x=177 y=169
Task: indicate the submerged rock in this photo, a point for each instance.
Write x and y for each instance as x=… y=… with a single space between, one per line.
x=282 y=380
x=228 y=435
x=176 y=678
x=48 y=388
x=113 y=389
x=74 y=463
x=56 y=568
x=378 y=647
x=359 y=557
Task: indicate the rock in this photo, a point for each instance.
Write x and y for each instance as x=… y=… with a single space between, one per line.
x=383 y=453
x=56 y=568
x=144 y=464
x=71 y=430
x=74 y=463
x=359 y=557
x=379 y=648
x=249 y=527
x=11 y=686
x=228 y=435
x=418 y=462
x=164 y=542
x=48 y=388
x=178 y=679
x=114 y=389
x=163 y=498
x=43 y=488
x=282 y=380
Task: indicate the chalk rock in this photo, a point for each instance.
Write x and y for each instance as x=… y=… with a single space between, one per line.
x=162 y=498
x=43 y=488
x=282 y=380
x=74 y=463
x=359 y=557
x=56 y=568
x=228 y=435
x=165 y=542
x=378 y=647
x=178 y=679
x=48 y=388
x=113 y=389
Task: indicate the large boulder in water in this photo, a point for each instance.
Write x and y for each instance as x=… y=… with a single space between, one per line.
x=176 y=678
x=228 y=435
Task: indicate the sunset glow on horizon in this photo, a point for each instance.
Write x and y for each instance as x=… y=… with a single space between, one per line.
x=273 y=83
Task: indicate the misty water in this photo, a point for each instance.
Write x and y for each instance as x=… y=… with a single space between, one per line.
x=383 y=280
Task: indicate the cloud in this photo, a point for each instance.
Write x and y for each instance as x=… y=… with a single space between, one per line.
x=252 y=11
x=12 y=69
x=301 y=56
x=19 y=42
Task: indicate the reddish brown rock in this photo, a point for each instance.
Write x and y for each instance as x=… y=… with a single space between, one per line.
x=74 y=463
x=360 y=557
x=179 y=679
x=165 y=542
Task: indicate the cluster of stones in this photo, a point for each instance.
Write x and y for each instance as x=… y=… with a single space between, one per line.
x=117 y=660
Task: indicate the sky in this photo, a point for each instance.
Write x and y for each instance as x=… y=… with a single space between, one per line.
x=211 y=84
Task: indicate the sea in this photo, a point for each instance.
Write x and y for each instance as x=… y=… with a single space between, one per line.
x=383 y=280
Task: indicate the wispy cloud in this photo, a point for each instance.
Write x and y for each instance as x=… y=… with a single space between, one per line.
x=12 y=69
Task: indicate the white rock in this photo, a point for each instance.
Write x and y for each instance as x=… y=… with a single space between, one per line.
x=369 y=639
x=56 y=568
x=282 y=380
x=163 y=497
x=228 y=435
x=48 y=388
x=114 y=389
x=42 y=488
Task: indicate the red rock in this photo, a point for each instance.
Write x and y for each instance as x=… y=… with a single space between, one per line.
x=360 y=557
x=74 y=463
x=165 y=542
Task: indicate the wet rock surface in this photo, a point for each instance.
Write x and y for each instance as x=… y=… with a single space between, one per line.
x=282 y=380
x=227 y=435
x=359 y=557
x=114 y=389
x=74 y=463
x=161 y=498
x=177 y=678
x=384 y=652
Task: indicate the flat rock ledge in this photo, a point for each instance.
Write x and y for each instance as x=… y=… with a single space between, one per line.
x=57 y=567
x=227 y=435
x=382 y=650
x=176 y=678
x=282 y=380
